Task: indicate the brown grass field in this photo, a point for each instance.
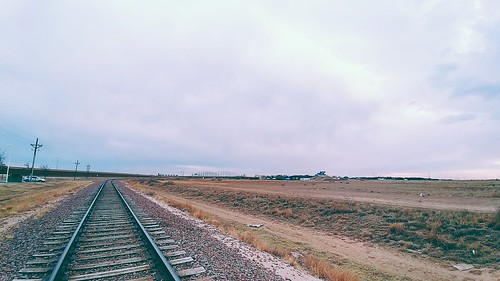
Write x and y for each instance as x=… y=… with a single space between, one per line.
x=21 y=200
x=354 y=230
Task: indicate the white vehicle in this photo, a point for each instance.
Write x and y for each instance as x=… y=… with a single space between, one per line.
x=33 y=179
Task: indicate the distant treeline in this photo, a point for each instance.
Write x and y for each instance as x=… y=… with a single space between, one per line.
x=398 y=178
x=305 y=177
x=286 y=177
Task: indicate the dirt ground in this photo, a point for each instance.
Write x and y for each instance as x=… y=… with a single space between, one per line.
x=475 y=196
x=470 y=196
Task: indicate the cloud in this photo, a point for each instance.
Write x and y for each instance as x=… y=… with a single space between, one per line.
x=456 y=118
x=484 y=90
x=254 y=87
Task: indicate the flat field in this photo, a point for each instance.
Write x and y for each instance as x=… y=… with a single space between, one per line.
x=381 y=230
x=19 y=201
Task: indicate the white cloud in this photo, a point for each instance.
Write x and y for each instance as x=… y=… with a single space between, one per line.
x=351 y=88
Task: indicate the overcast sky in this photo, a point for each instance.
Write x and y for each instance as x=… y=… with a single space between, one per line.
x=356 y=88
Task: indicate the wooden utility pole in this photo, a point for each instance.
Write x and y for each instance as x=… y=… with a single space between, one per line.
x=36 y=146
x=76 y=169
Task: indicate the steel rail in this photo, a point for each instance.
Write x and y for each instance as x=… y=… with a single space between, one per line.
x=66 y=254
x=162 y=263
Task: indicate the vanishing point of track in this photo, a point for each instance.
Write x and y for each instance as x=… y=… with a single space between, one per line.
x=109 y=241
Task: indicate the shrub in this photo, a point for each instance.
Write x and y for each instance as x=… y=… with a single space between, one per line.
x=396 y=227
x=434 y=225
x=497 y=220
x=324 y=270
x=440 y=240
x=284 y=213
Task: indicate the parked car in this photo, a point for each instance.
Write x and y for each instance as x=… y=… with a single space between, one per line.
x=33 y=179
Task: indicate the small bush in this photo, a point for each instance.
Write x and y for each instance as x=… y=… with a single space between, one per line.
x=496 y=220
x=304 y=217
x=249 y=238
x=324 y=270
x=441 y=240
x=365 y=233
x=284 y=213
x=396 y=227
x=434 y=225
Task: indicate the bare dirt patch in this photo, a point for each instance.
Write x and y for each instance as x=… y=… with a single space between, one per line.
x=366 y=234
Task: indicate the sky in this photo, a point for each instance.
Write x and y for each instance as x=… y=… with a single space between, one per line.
x=353 y=88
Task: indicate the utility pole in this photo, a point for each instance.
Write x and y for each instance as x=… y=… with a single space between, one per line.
x=36 y=146
x=88 y=170
x=8 y=163
x=76 y=169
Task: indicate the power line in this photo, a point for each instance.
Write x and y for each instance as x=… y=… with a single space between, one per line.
x=9 y=131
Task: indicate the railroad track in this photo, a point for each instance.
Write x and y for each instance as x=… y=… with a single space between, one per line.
x=109 y=241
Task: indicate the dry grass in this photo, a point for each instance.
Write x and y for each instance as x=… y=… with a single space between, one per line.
x=283 y=213
x=20 y=198
x=496 y=220
x=322 y=269
x=317 y=267
x=396 y=227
